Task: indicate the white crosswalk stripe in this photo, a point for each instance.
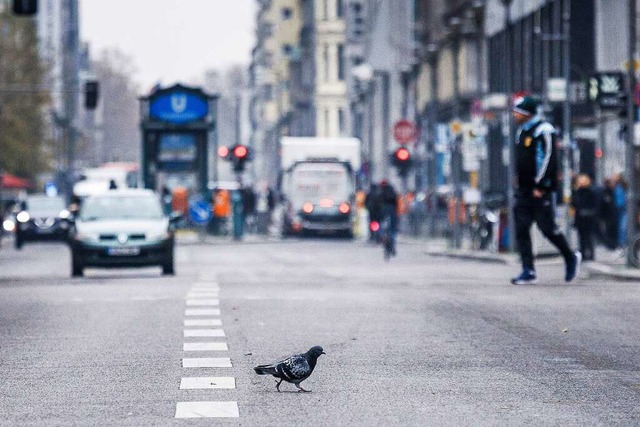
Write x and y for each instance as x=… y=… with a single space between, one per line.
x=203 y=302
x=202 y=312
x=207 y=410
x=193 y=383
x=202 y=322
x=203 y=333
x=205 y=346
x=194 y=295
x=206 y=362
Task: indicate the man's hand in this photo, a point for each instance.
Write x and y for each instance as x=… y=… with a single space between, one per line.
x=537 y=193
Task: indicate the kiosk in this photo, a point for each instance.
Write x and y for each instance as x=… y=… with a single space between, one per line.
x=178 y=126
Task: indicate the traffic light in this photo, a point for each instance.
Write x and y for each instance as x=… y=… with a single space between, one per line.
x=91 y=89
x=402 y=160
x=240 y=154
x=223 y=152
x=25 y=7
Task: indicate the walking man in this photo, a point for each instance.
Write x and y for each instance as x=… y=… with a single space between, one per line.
x=536 y=185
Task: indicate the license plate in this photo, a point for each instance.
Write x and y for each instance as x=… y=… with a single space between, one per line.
x=131 y=251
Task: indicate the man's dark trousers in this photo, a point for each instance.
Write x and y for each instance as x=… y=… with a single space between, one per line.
x=541 y=210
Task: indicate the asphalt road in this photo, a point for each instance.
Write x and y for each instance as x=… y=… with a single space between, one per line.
x=415 y=341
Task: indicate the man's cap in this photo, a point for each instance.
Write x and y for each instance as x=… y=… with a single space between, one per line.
x=527 y=105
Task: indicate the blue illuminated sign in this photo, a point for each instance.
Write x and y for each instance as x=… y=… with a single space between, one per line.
x=178 y=107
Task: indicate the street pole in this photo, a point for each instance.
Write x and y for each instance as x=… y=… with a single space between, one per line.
x=566 y=113
x=630 y=152
x=433 y=127
x=456 y=164
x=510 y=146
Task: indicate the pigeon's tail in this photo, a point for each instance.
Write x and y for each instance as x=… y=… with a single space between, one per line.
x=265 y=370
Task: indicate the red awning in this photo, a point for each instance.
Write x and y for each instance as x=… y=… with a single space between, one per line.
x=12 y=181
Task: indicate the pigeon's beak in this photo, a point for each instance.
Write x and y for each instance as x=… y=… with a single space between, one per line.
x=323 y=353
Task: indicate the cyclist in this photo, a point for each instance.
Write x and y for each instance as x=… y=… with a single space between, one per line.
x=389 y=200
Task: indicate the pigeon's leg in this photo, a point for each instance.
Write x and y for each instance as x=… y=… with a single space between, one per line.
x=278 y=385
x=301 y=389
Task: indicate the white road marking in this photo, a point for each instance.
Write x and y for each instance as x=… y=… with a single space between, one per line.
x=203 y=333
x=202 y=312
x=193 y=302
x=202 y=322
x=205 y=346
x=208 y=285
x=206 y=362
x=193 y=383
x=207 y=410
x=203 y=295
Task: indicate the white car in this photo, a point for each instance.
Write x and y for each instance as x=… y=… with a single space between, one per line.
x=122 y=228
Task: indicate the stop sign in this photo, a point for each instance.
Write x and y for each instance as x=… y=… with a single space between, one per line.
x=404 y=131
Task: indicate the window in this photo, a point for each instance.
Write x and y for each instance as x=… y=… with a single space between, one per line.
x=325 y=10
x=287 y=13
x=339 y=8
x=287 y=49
x=341 y=62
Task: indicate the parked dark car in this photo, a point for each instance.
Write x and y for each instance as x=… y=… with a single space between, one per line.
x=122 y=228
x=41 y=218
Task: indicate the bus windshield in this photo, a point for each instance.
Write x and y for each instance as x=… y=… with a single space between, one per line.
x=312 y=182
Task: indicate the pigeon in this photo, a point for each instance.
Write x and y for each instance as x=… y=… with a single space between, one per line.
x=294 y=369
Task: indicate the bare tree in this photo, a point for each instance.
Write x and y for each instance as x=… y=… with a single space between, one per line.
x=120 y=112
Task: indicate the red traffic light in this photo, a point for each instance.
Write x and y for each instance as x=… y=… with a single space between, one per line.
x=402 y=154
x=223 y=151
x=240 y=151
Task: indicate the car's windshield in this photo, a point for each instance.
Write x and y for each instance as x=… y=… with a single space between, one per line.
x=45 y=204
x=121 y=207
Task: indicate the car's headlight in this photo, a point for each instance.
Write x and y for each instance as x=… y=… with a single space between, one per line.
x=8 y=225
x=158 y=235
x=23 y=216
x=64 y=214
x=86 y=237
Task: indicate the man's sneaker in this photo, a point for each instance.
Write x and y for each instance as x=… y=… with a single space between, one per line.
x=527 y=277
x=573 y=267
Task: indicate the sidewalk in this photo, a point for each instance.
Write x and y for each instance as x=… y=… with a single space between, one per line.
x=609 y=263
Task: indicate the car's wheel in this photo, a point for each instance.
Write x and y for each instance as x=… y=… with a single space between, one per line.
x=168 y=265
x=18 y=243
x=77 y=269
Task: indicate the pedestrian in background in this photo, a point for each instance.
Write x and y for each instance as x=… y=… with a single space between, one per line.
x=620 y=200
x=585 y=203
x=537 y=181
x=608 y=217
